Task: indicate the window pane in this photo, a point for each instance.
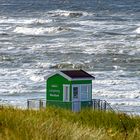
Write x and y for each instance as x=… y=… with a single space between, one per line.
x=66 y=93
x=75 y=92
x=66 y=96
x=84 y=92
x=89 y=92
x=84 y=88
x=84 y=96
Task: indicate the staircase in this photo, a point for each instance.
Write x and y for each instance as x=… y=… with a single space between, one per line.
x=98 y=104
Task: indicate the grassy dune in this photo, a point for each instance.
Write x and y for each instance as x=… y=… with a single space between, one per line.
x=59 y=124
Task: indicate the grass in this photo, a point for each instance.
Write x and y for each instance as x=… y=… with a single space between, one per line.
x=59 y=124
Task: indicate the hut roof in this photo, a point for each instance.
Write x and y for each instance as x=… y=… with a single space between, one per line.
x=77 y=74
x=73 y=74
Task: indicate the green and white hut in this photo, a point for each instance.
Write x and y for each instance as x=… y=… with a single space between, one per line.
x=70 y=89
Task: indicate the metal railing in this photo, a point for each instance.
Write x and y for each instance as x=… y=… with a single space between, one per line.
x=96 y=104
x=36 y=103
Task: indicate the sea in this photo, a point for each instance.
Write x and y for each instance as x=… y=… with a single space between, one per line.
x=38 y=37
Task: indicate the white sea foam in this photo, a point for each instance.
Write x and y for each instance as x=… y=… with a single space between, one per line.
x=13 y=89
x=33 y=75
x=17 y=88
x=25 y=21
x=36 y=78
x=90 y=23
x=60 y=12
x=95 y=50
x=43 y=64
x=126 y=102
x=137 y=30
x=134 y=52
x=113 y=94
x=36 y=47
x=35 y=31
x=6 y=43
x=65 y=13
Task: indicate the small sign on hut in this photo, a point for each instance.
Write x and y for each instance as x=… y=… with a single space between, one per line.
x=71 y=89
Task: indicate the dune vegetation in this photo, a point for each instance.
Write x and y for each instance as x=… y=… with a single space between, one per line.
x=59 y=124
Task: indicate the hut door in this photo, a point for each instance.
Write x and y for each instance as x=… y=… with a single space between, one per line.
x=76 y=104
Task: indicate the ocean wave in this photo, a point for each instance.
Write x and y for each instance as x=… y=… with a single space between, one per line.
x=134 y=52
x=43 y=65
x=36 y=78
x=4 y=58
x=14 y=89
x=137 y=30
x=72 y=14
x=41 y=21
x=115 y=95
x=6 y=20
x=38 y=31
x=126 y=103
x=89 y=23
x=112 y=33
x=69 y=65
x=3 y=33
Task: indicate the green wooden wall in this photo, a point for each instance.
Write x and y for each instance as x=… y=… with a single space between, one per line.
x=55 y=87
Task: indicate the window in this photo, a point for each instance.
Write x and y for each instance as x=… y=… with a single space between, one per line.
x=89 y=91
x=75 y=92
x=66 y=93
x=86 y=92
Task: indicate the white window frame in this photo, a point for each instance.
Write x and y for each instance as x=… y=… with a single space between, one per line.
x=89 y=90
x=76 y=99
x=64 y=93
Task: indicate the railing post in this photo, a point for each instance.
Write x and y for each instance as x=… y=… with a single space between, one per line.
x=94 y=104
x=28 y=104
x=99 y=106
x=40 y=104
x=101 y=103
x=105 y=105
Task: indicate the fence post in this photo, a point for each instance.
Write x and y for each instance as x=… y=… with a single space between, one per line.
x=99 y=106
x=28 y=104
x=95 y=104
x=105 y=105
x=40 y=104
x=101 y=103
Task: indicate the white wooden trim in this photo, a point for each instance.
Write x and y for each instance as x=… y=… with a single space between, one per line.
x=57 y=72
x=75 y=79
x=78 y=102
x=66 y=85
x=46 y=89
x=76 y=85
x=67 y=77
x=88 y=92
x=49 y=75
